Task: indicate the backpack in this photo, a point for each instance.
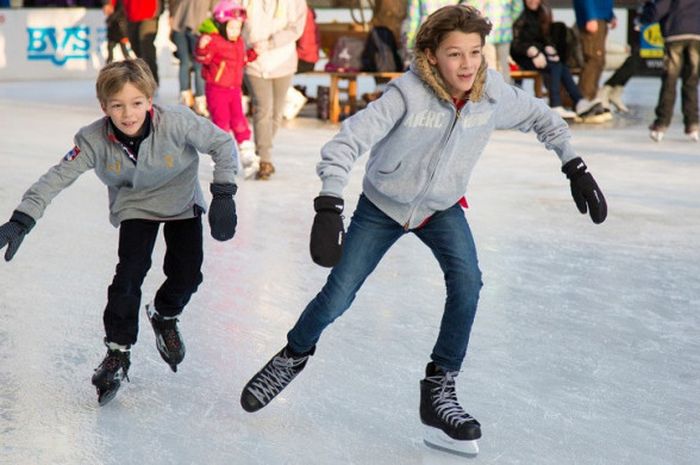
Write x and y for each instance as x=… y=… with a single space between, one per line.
x=346 y=56
x=381 y=52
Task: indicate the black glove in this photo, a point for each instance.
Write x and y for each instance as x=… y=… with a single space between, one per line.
x=585 y=191
x=327 y=233
x=222 y=212
x=13 y=232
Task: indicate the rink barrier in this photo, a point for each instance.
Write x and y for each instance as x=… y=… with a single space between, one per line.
x=64 y=43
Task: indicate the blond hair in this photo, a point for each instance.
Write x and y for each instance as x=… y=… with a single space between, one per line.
x=113 y=76
x=450 y=18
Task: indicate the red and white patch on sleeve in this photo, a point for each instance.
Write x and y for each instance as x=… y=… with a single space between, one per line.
x=72 y=153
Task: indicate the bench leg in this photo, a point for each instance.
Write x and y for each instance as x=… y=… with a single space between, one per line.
x=334 y=100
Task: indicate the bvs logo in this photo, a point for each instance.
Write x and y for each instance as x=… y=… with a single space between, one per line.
x=43 y=44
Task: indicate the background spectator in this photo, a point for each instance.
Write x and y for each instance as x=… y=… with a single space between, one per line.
x=502 y=14
x=680 y=26
x=272 y=29
x=185 y=18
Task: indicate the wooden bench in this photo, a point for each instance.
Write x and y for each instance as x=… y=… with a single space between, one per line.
x=350 y=79
x=538 y=78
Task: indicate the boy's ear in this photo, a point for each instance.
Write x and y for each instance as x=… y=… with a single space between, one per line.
x=432 y=59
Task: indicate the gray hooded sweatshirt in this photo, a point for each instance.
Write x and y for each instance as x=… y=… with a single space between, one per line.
x=162 y=185
x=422 y=150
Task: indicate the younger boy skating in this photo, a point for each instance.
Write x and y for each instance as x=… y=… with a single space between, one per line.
x=147 y=156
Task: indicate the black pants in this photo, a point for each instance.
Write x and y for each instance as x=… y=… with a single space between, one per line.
x=142 y=36
x=182 y=267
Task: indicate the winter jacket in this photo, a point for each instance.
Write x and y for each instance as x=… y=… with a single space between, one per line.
x=310 y=40
x=527 y=32
x=222 y=60
x=140 y=10
x=679 y=19
x=162 y=185
x=189 y=14
x=501 y=13
x=279 y=24
x=587 y=10
x=421 y=149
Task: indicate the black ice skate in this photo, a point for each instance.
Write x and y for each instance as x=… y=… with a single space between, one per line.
x=448 y=426
x=113 y=369
x=168 y=339
x=274 y=376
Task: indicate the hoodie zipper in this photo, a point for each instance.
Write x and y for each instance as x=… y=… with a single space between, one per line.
x=433 y=171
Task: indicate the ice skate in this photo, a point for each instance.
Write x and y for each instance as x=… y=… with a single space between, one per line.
x=616 y=99
x=447 y=426
x=564 y=113
x=168 y=339
x=656 y=132
x=273 y=378
x=110 y=373
x=250 y=162
x=693 y=133
x=200 y=106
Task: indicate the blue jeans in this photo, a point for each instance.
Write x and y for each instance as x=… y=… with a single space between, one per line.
x=370 y=234
x=186 y=43
x=559 y=74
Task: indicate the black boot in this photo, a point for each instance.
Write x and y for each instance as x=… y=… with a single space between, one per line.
x=113 y=369
x=273 y=378
x=168 y=339
x=440 y=410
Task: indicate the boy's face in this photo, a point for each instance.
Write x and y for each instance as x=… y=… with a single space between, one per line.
x=233 y=29
x=127 y=109
x=458 y=58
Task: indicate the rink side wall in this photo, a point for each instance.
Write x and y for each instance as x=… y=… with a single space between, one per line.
x=71 y=43
x=64 y=43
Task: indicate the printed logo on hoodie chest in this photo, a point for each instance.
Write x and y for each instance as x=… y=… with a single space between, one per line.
x=425 y=119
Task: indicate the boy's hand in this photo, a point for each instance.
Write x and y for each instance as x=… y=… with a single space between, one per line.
x=222 y=212
x=585 y=190
x=327 y=233
x=12 y=233
x=204 y=40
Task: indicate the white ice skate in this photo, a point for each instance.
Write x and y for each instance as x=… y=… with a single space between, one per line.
x=437 y=439
x=250 y=162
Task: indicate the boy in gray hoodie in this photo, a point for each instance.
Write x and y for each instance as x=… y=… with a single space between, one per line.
x=147 y=155
x=424 y=136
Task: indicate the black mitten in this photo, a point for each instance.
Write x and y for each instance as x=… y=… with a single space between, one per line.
x=222 y=212
x=585 y=191
x=12 y=233
x=327 y=233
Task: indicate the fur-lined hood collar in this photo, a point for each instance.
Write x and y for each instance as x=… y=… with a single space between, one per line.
x=431 y=77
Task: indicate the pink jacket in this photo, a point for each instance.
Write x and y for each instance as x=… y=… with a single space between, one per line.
x=222 y=60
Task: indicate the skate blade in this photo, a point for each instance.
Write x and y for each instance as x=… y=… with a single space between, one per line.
x=437 y=439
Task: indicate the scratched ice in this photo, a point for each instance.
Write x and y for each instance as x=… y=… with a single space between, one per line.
x=585 y=349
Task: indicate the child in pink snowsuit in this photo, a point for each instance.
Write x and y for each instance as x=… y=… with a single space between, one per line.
x=223 y=55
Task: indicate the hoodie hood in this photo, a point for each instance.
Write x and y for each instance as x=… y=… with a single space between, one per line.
x=430 y=75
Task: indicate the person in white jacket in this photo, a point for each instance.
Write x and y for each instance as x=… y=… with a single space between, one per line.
x=272 y=29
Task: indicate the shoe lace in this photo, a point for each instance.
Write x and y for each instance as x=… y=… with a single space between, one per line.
x=114 y=361
x=276 y=376
x=168 y=328
x=444 y=397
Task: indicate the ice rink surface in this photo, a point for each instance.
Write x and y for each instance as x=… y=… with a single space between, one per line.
x=585 y=349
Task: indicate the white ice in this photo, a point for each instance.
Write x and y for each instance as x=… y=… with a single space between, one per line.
x=585 y=349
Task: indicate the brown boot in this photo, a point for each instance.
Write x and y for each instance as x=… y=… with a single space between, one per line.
x=265 y=171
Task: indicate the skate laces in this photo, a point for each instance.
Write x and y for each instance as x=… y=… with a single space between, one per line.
x=276 y=376
x=444 y=398
x=168 y=328
x=115 y=360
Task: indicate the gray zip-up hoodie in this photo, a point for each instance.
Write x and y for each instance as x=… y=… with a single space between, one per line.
x=162 y=185
x=422 y=150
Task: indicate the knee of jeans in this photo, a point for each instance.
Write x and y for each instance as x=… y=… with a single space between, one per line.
x=467 y=281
